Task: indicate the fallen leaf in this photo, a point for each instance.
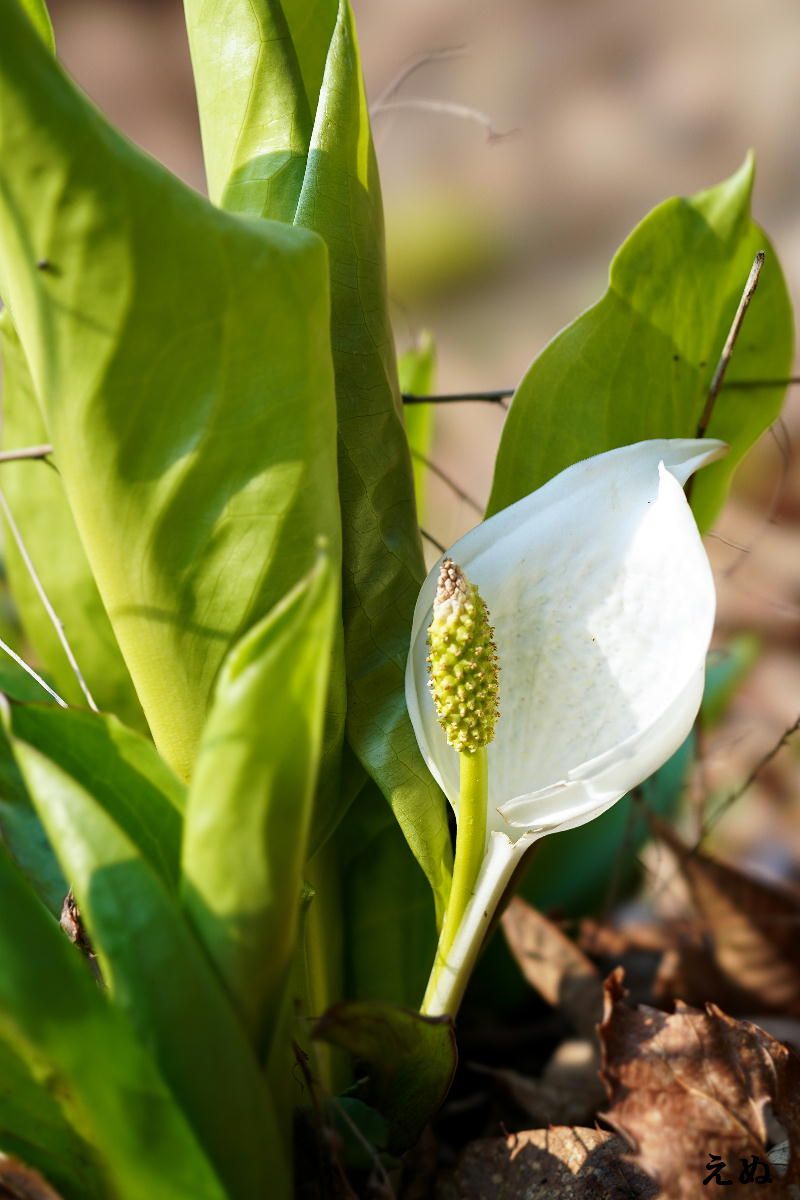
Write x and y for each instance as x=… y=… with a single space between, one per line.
x=553 y=965
x=693 y=1084
x=547 y=1164
x=752 y=929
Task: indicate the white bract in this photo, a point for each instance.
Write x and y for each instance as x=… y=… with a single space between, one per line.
x=602 y=601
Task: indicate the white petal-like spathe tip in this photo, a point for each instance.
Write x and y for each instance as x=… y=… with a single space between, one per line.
x=602 y=600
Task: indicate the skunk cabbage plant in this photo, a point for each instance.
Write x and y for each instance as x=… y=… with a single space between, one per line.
x=213 y=558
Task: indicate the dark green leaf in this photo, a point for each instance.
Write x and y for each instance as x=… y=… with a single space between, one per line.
x=250 y=806
x=184 y=353
x=104 y=1082
x=33 y=1129
x=391 y=937
x=22 y=835
x=410 y=1061
x=638 y=364
x=159 y=976
x=120 y=769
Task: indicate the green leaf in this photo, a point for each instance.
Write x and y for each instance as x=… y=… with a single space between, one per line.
x=383 y=564
x=410 y=1061
x=33 y=1129
x=254 y=114
x=40 y=18
x=340 y=199
x=22 y=835
x=121 y=770
x=184 y=353
x=84 y=1052
x=638 y=364
x=159 y=976
x=41 y=510
x=250 y=805
x=391 y=940
x=417 y=372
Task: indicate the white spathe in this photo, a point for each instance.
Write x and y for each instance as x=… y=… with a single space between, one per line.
x=602 y=601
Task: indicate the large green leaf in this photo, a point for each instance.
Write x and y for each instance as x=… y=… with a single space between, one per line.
x=159 y=975
x=340 y=199
x=121 y=770
x=250 y=805
x=22 y=835
x=391 y=940
x=33 y=1129
x=74 y=1043
x=409 y=1061
x=38 y=501
x=383 y=564
x=638 y=364
x=182 y=360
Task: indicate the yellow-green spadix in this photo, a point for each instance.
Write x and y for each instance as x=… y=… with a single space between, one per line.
x=602 y=602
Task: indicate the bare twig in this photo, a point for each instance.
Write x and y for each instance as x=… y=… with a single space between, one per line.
x=30 y=671
x=451 y=483
x=447 y=108
x=51 y=612
x=26 y=452
x=498 y=396
x=432 y=56
x=433 y=541
x=730 y=342
x=755 y=772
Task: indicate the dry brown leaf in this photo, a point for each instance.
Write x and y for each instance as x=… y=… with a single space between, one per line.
x=554 y=965
x=547 y=1164
x=753 y=927
x=687 y=1085
x=18 y=1182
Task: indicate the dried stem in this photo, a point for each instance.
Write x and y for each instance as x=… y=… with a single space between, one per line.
x=447 y=108
x=730 y=342
x=26 y=452
x=433 y=541
x=498 y=396
x=431 y=56
x=30 y=671
x=756 y=771
x=51 y=612
x=451 y=483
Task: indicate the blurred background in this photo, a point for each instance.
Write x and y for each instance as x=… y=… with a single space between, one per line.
x=526 y=142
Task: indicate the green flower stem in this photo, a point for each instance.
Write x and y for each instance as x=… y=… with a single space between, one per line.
x=470 y=850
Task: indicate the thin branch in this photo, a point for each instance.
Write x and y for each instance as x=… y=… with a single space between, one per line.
x=751 y=778
x=433 y=541
x=51 y=612
x=730 y=342
x=451 y=483
x=498 y=396
x=447 y=108
x=25 y=452
x=432 y=56
x=30 y=671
